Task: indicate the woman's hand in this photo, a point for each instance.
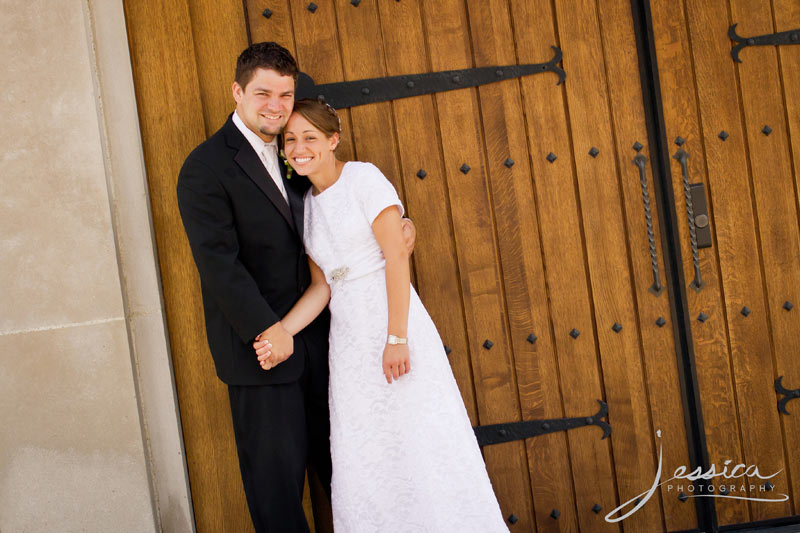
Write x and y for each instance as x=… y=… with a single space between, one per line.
x=275 y=345
x=396 y=361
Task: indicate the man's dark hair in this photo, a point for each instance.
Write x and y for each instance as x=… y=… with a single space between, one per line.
x=268 y=55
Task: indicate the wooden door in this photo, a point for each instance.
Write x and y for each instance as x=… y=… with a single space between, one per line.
x=534 y=256
x=550 y=243
x=740 y=124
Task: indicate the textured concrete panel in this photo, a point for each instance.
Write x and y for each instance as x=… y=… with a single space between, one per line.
x=71 y=452
x=57 y=258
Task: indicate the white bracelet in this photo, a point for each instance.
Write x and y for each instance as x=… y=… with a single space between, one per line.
x=394 y=339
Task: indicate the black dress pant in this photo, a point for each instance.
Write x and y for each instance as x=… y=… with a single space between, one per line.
x=277 y=428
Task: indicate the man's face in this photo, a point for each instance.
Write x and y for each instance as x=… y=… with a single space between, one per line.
x=265 y=103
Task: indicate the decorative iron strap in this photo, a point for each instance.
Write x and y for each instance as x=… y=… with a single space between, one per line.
x=497 y=433
x=788 y=395
x=370 y=91
x=682 y=156
x=784 y=37
x=656 y=288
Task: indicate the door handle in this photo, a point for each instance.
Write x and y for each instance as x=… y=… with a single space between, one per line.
x=656 y=288
x=681 y=155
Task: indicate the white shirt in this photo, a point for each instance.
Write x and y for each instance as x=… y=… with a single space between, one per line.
x=268 y=159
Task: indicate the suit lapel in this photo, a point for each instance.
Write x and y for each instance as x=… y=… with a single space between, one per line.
x=249 y=161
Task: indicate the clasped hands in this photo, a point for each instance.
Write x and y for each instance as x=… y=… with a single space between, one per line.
x=273 y=346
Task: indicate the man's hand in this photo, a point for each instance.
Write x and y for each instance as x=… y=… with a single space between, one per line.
x=409 y=234
x=273 y=346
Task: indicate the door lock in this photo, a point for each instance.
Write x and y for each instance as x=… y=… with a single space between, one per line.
x=701 y=222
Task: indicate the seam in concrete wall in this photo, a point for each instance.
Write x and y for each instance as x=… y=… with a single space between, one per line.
x=62 y=326
x=137 y=260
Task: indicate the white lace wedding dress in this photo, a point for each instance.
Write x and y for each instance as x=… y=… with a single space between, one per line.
x=404 y=455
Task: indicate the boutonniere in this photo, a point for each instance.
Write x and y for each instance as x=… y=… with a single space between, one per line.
x=289 y=168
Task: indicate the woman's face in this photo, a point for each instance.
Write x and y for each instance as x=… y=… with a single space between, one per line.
x=307 y=148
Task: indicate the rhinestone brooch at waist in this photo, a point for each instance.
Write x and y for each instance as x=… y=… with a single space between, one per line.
x=339 y=274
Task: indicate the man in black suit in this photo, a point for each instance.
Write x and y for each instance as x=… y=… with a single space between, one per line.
x=244 y=221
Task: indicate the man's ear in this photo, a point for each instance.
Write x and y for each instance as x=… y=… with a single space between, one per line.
x=237 y=92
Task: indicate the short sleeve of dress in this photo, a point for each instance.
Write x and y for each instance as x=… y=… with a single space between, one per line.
x=374 y=192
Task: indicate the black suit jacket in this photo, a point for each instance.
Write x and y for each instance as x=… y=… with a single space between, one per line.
x=247 y=244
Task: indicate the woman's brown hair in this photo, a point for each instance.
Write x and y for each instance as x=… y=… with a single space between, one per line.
x=320 y=115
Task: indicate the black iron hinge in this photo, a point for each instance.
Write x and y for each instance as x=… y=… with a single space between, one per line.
x=788 y=395
x=784 y=37
x=497 y=433
x=354 y=93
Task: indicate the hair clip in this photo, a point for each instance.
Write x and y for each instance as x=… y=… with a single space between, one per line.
x=332 y=111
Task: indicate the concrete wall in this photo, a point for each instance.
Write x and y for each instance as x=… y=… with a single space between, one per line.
x=90 y=437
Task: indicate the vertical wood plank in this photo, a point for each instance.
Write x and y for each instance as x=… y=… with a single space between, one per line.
x=477 y=256
x=658 y=346
x=171 y=115
x=607 y=256
x=786 y=16
x=776 y=215
x=521 y=261
x=711 y=349
x=564 y=264
x=220 y=34
x=427 y=201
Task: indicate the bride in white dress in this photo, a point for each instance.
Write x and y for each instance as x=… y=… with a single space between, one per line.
x=404 y=453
